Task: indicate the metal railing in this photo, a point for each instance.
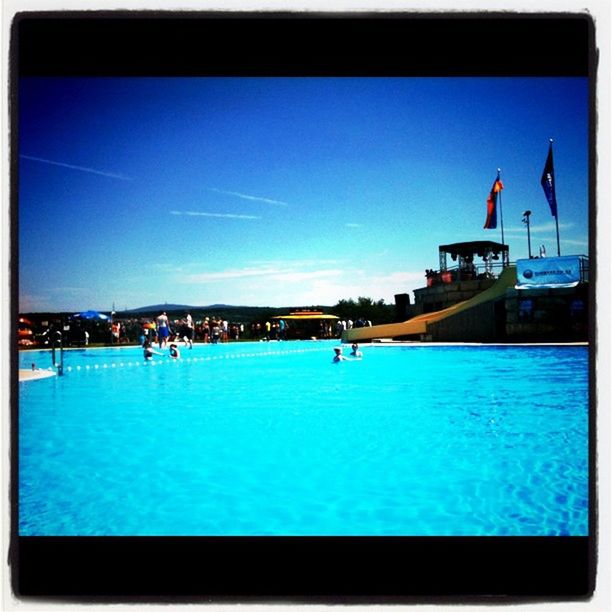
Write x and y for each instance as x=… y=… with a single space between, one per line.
x=584 y=268
x=464 y=273
x=57 y=343
x=485 y=272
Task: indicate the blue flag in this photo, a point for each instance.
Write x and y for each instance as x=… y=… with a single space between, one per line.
x=548 y=182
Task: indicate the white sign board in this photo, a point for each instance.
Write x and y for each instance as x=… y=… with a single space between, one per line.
x=548 y=272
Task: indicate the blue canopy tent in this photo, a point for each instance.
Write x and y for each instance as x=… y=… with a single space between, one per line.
x=90 y=314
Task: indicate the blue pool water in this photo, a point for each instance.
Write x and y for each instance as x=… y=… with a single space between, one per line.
x=275 y=439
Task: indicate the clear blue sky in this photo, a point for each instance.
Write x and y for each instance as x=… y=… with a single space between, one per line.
x=282 y=191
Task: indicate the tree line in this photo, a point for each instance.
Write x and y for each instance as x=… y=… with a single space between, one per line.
x=364 y=308
x=375 y=311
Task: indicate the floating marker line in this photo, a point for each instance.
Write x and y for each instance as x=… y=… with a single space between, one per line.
x=190 y=360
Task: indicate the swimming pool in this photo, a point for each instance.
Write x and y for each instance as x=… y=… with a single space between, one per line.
x=275 y=439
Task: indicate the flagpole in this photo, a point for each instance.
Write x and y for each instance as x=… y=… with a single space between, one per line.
x=557 y=213
x=501 y=212
x=558 y=245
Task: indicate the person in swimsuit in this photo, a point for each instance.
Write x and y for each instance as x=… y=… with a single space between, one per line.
x=163 y=329
x=338 y=356
x=149 y=351
x=356 y=352
x=189 y=331
x=174 y=352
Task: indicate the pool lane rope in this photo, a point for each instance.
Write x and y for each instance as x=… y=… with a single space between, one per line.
x=187 y=360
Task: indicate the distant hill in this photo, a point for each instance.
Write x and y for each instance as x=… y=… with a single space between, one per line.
x=224 y=311
x=157 y=308
x=236 y=314
x=174 y=308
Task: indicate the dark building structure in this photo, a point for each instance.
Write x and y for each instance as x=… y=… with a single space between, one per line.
x=480 y=298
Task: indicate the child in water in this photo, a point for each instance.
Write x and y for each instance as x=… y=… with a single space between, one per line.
x=338 y=356
x=356 y=352
x=149 y=351
x=174 y=352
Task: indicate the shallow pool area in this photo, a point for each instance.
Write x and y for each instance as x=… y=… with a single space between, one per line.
x=275 y=439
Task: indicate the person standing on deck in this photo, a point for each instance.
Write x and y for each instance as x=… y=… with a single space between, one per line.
x=163 y=329
x=339 y=328
x=115 y=331
x=189 y=330
x=206 y=331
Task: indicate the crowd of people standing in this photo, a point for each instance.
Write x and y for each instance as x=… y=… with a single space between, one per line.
x=164 y=329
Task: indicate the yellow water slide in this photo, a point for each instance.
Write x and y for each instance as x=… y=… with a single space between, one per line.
x=418 y=325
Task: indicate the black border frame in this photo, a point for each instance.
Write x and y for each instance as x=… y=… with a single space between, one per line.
x=303 y=569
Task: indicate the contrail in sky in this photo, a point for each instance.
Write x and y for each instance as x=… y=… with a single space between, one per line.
x=207 y=214
x=544 y=227
x=81 y=168
x=244 y=196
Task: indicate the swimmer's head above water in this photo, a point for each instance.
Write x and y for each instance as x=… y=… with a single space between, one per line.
x=338 y=356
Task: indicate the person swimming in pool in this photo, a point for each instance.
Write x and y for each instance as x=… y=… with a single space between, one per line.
x=356 y=352
x=174 y=351
x=338 y=356
x=149 y=351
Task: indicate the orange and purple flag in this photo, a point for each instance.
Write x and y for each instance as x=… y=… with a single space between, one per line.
x=491 y=221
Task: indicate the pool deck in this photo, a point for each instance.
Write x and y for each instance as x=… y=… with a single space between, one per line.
x=25 y=375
